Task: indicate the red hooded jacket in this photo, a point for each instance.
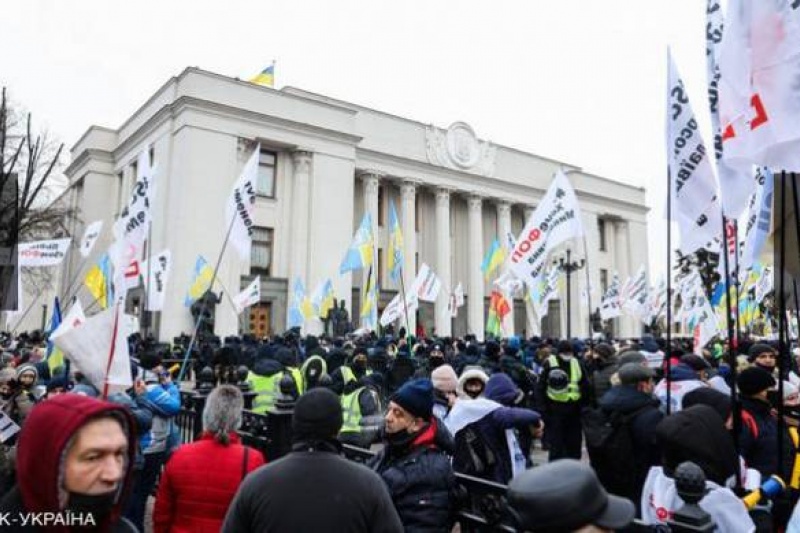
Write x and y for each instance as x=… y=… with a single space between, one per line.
x=41 y=446
x=199 y=483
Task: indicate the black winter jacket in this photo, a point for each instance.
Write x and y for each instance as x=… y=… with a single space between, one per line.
x=420 y=479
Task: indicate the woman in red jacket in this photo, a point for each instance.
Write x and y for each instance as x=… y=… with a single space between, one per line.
x=201 y=478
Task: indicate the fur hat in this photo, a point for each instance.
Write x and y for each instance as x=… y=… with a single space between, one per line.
x=470 y=372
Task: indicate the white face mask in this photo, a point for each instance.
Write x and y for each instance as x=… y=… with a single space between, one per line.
x=565 y=356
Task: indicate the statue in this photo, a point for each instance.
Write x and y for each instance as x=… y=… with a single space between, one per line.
x=205 y=305
x=341 y=320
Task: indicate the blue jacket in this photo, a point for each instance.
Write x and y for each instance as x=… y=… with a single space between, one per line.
x=164 y=401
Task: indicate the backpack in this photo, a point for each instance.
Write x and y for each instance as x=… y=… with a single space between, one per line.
x=611 y=450
x=472 y=455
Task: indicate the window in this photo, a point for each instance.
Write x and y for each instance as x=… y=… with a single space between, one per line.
x=265 y=185
x=603 y=281
x=601 y=229
x=152 y=153
x=261 y=252
x=381 y=207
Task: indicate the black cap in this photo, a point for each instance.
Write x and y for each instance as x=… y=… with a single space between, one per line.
x=564 y=347
x=565 y=495
x=317 y=416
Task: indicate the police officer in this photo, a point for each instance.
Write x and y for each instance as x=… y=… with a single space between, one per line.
x=347 y=377
x=362 y=410
x=562 y=391
x=265 y=377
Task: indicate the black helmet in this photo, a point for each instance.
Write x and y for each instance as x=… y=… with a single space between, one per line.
x=558 y=380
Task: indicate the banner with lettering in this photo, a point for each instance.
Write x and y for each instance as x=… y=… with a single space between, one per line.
x=695 y=202
x=610 y=306
x=556 y=219
x=42 y=253
x=240 y=206
x=159 y=268
x=251 y=295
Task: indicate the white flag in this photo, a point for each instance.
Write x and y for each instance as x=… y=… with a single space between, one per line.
x=427 y=284
x=131 y=228
x=765 y=284
x=240 y=206
x=456 y=300
x=100 y=356
x=251 y=295
x=610 y=306
x=637 y=295
x=735 y=183
x=42 y=253
x=158 y=271
x=75 y=317
x=8 y=428
x=758 y=222
x=90 y=236
x=556 y=219
x=695 y=203
x=395 y=309
x=759 y=90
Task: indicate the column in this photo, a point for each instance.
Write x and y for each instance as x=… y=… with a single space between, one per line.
x=408 y=214
x=442 y=320
x=533 y=321
x=371 y=183
x=475 y=319
x=301 y=201
x=503 y=229
x=621 y=260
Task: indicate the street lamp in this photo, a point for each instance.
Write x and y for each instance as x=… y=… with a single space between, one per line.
x=569 y=267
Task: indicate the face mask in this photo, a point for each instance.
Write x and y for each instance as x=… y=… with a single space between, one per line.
x=98 y=505
x=359 y=365
x=565 y=356
x=435 y=362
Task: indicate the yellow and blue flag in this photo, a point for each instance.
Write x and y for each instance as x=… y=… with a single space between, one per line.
x=99 y=281
x=395 y=244
x=324 y=299
x=266 y=77
x=359 y=255
x=54 y=356
x=494 y=258
x=299 y=306
x=201 y=281
x=369 y=302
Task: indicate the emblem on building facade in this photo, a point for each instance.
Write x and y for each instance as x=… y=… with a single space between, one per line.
x=459 y=149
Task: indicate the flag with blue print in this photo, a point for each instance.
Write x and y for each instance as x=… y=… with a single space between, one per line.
x=359 y=255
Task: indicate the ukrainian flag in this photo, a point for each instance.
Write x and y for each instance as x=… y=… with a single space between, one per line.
x=98 y=281
x=359 y=255
x=266 y=77
x=395 y=244
x=201 y=281
x=54 y=356
x=494 y=258
x=297 y=315
x=328 y=299
x=369 y=305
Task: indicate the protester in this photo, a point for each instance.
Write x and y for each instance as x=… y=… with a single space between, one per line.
x=313 y=488
x=688 y=375
x=74 y=459
x=194 y=496
x=415 y=463
x=445 y=385
x=471 y=382
x=566 y=496
x=562 y=392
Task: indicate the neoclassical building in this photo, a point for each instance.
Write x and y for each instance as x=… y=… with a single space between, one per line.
x=323 y=163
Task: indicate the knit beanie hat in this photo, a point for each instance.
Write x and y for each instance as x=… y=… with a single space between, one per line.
x=28 y=368
x=756 y=349
x=753 y=380
x=713 y=398
x=416 y=397
x=444 y=378
x=317 y=416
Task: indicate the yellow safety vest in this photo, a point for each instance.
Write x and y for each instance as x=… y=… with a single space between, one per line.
x=298 y=379
x=348 y=375
x=351 y=412
x=267 y=389
x=573 y=391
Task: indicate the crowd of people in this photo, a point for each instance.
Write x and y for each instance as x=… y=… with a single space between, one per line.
x=615 y=418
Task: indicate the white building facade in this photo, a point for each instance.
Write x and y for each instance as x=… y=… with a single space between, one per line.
x=323 y=163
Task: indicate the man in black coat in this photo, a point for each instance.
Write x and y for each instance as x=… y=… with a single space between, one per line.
x=313 y=488
x=414 y=463
x=633 y=399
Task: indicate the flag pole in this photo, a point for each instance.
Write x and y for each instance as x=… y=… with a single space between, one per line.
x=737 y=408
x=782 y=310
x=405 y=304
x=27 y=310
x=588 y=293
x=205 y=301
x=146 y=281
x=669 y=291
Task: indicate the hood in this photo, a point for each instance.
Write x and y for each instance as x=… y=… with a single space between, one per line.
x=502 y=389
x=470 y=372
x=42 y=442
x=436 y=435
x=697 y=434
x=286 y=357
x=267 y=367
x=625 y=399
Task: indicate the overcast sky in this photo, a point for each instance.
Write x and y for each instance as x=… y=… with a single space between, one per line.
x=578 y=81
